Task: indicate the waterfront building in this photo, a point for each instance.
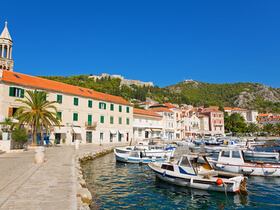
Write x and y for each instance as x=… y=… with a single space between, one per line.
x=146 y=125
x=167 y=121
x=87 y=115
x=263 y=117
x=272 y=120
x=216 y=120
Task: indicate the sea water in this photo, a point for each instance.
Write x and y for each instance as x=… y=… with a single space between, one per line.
x=116 y=185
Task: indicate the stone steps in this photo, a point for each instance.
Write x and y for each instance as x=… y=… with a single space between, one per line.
x=2 y=152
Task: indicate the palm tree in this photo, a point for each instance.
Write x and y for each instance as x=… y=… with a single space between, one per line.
x=277 y=128
x=38 y=113
x=7 y=123
x=269 y=128
x=252 y=128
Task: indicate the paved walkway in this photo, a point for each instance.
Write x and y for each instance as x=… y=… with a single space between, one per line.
x=51 y=185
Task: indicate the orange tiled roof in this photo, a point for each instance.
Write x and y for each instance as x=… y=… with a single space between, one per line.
x=239 y=109
x=160 y=109
x=264 y=115
x=145 y=112
x=169 y=105
x=40 y=83
x=210 y=109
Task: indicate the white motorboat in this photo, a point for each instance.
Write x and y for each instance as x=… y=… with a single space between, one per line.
x=193 y=170
x=233 y=160
x=143 y=153
x=256 y=154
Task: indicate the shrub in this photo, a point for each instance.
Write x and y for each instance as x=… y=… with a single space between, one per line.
x=20 y=136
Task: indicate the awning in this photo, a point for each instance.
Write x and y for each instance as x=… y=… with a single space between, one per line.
x=156 y=129
x=121 y=132
x=77 y=130
x=113 y=132
x=60 y=130
x=148 y=129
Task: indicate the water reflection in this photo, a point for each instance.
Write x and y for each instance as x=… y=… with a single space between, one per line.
x=130 y=186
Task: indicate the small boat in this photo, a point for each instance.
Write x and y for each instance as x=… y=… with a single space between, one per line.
x=256 y=154
x=233 y=160
x=194 y=171
x=143 y=153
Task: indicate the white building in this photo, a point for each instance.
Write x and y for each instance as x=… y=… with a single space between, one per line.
x=146 y=124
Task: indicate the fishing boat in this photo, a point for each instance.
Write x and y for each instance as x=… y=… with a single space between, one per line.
x=233 y=160
x=194 y=171
x=143 y=153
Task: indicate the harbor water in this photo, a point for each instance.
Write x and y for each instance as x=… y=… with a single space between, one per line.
x=117 y=185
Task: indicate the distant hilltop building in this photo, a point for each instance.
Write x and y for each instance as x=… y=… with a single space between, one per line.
x=124 y=81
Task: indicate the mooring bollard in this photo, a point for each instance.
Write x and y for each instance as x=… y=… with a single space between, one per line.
x=77 y=143
x=39 y=154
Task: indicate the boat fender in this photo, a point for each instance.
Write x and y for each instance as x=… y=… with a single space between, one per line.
x=164 y=173
x=270 y=171
x=248 y=170
x=219 y=165
x=191 y=181
x=219 y=181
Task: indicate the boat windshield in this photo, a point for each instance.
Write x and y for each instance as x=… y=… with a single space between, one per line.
x=134 y=154
x=185 y=162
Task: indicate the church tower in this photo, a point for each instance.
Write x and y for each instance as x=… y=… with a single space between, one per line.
x=6 y=46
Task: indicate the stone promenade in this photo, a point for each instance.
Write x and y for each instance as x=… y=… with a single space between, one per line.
x=51 y=185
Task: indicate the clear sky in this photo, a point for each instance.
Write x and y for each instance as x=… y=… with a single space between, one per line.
x=165 y=42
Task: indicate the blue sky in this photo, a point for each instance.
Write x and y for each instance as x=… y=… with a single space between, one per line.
x=162 y=41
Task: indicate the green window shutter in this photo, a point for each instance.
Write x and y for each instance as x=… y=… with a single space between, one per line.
x=44 y=98
x=89 y=118
x=99 y=105
x=75 y=116
x=22 y=93
x=112 y=107
x=104 y=105
x=76 y=101
x=90 y=103
x=102 y=119
x=111 y=120
x=120 y=120
x=127 y=109
x=120 y=108
x=59 y=98
x=59 y=114
x=127 y=121
x=12 y=91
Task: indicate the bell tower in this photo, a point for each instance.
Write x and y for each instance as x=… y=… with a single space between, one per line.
x=6 y=46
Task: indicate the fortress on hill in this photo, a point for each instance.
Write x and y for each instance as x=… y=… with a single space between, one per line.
x=124 y=81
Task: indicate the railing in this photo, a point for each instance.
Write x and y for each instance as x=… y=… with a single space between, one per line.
x=90 y=124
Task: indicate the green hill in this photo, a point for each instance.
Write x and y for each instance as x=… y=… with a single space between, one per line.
x=242 y=95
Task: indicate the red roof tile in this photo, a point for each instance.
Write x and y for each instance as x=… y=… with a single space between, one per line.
x=159 y=109
x=40 y=83
x=145 y=112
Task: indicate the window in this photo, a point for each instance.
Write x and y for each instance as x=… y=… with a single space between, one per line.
x=120 y=120
x=75 y=116
x=59 y=99
x=89 y=118
x=59 y=114
x=90 y=103
x=16 y=92
x=225 y=154
x=76 y=101
x=101 y=136
x=235 y=154
x=111 y=137
x=102 y=119
x=127 y=121
x=112 y=107
x=127 y=109
x=120 y=108
x=102 y=105
x=139 y=132
x=111 y=120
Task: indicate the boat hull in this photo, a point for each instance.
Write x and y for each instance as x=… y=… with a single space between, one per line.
x=197 y=182
x=144 y=160
x=248 y=169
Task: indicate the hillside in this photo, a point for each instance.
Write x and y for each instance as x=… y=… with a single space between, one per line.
x=243 y=95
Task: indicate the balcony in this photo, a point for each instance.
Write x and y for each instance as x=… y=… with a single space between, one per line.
x=90 y=125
